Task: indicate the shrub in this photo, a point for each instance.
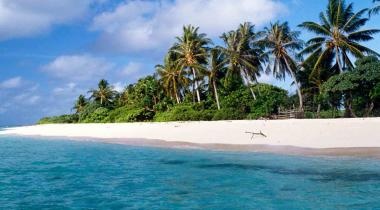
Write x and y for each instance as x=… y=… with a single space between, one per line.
x=98 y=116
x=239 y=101
x=241 y=104
x=72 y=118
x=185 y=112
x=229 y=114
x=88 y=110
x=325 y=114
x=127 y=114
x=269 y=100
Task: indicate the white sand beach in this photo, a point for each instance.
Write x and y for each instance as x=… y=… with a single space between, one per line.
x=312 y=134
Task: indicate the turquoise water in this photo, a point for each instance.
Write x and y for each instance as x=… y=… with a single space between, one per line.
x=38 y=174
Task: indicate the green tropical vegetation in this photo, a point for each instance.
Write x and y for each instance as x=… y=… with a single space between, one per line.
x=334 y=74
x=282 y=44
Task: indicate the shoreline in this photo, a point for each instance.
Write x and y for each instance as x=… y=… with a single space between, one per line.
x=358 y=152
x=331 y=137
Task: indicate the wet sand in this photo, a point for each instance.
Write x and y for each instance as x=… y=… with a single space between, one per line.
x=360 y=152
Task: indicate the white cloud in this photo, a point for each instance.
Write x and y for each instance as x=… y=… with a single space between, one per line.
x=26 y=98
x=78 y=67
x=22 y=103
x=285 y=84
x=22 y=18
x=118 y=86
x=68 y=88
x=131 y=68
x=14 y=82
x=33 y=100
x=20 y=97
x=266 y=78
x=148 y=25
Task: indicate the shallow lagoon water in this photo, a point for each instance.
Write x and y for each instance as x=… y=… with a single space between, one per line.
x=42 y=174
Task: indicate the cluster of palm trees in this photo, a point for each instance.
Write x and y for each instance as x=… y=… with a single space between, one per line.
x=193 y=61
x=104 y=95
x=194 y=65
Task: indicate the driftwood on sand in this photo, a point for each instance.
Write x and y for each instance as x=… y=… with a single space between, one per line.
x=256 y=134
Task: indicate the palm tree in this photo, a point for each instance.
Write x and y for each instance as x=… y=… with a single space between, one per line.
x=104 y=94
x=191 y=52
x=216 y=68
x=338 y=36
x=123 y=97
x=376 y=9
x=282 y=43
x=171 y=77
x=80 y=103
x=243 y=54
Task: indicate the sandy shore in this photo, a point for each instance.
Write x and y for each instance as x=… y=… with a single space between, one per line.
x=310 y=134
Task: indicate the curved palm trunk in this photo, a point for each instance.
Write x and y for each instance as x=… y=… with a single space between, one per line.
x=249 y=83
x=319 y=111
x=176 y=93
x=369 y=109
x=177 y=97
x=193 y=92
x=196 y=85
x=338 y=60
x=300 y=97
x=253 y=93
x=216 y=94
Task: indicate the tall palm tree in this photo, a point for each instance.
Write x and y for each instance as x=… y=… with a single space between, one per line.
x=216 y=69
x=80 y=103
x=338 y=35
x=243 y=54
x=281 y=44
x=172 y=77
x=104 y=94
x=191 y=51
x=376 y=9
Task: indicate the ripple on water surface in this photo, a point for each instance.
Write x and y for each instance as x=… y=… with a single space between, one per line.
x=37 y=174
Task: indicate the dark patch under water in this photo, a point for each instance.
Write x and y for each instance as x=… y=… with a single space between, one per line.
x=346 y=175
x=40 y=174
x=173 y=162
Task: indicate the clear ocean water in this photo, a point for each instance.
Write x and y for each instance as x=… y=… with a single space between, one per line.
x=40 y=174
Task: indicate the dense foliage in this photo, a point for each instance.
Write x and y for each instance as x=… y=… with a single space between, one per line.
x=239 y=104
x=201 y=81
x=360 y=87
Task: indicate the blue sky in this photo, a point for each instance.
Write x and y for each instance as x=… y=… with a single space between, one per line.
x=52 y=51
